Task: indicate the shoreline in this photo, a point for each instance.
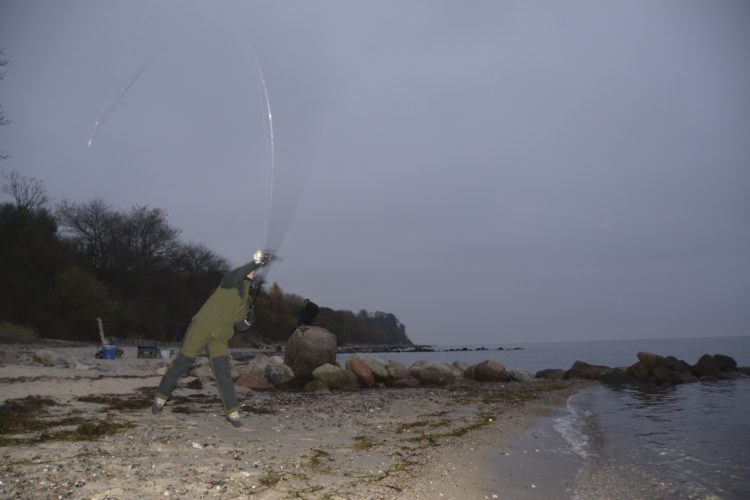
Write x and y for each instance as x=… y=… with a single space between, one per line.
x=372 y=443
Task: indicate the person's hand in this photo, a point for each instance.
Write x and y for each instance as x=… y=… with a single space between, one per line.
x=261 y=257
x=244 y=324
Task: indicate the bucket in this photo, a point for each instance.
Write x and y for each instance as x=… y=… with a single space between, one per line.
x=109 y=352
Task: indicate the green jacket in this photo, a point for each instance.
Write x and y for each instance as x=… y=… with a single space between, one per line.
x=229 y=303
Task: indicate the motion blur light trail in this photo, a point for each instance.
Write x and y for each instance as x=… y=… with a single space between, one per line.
x=107 y=110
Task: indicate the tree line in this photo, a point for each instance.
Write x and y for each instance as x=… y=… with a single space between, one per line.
x=63 y=266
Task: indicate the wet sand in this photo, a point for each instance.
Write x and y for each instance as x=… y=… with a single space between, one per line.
x=429 y=442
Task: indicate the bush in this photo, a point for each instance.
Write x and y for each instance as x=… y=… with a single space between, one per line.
x=11 y=331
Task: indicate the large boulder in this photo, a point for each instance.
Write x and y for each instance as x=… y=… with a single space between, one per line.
x=676 y=365
x=308 y=348
x=461 y=366
x=336 y=378
x=639 y=371
x=550 y=373
x=432 y=373
x=396 y=370
x=725 y=363
x=520 y=375
x=488 y=371
x=361 y=371
x=664 y=375
x=584 y=370
x=378 y=366
x=706 y=367
x=651 y=361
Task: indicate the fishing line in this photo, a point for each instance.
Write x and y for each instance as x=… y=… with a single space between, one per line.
x=106 y=110
x=252 y=60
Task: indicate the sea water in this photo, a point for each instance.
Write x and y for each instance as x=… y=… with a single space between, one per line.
x=671 y=442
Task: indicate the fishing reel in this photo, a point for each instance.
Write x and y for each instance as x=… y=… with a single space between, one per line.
x=262 y=257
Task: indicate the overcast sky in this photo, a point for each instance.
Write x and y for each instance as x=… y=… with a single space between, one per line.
x=488 y=171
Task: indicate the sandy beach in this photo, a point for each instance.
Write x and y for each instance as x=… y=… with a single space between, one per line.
x=83 y=429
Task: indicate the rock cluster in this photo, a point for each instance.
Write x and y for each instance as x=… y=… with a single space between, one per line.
x=659 y=369
x=310 y=362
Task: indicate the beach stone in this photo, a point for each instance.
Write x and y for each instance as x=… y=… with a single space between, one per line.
x=46 y=357
x=317 y=387
x=277 y=372
x=689 y=378
x=396 y=370
x=362 y=371
x=638 y=371
x=432 y=373
x=520 y=375
x=618 y=377
x=676 y=365
x=550 y=373
x=378 y=366
x=666 y=376
x=744 y=369
x=584 y=370
x=8 y=356
x=725 y=363
x=255 y=378
x=706 y=367
x=461 y=366
x=406 y=382
x=651 y=361
x=308 y=348
x=336 y=378
x=488 y=371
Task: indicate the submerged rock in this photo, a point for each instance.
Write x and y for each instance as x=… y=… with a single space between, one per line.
x=587 y=371
x=618 y=377
x=638 y=371
x=725 y=363
x=706 y=367
x=666 y=376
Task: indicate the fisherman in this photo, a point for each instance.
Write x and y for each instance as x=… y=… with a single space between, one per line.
x=227 y=310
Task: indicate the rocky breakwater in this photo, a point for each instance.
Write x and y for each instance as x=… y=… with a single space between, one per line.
x=657 y=369
x=310 y=362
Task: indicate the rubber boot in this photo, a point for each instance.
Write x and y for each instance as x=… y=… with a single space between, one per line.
x=176 y=371
x=223 y=375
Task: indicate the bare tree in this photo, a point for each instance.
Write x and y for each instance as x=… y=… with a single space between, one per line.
x=147 y=236
x=92 y=228
x=3 y=120
x=28 y=193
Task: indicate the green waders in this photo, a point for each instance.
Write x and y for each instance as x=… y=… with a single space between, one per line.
x=211 y=329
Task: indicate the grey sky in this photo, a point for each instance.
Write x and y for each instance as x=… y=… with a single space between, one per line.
x=488 y=171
